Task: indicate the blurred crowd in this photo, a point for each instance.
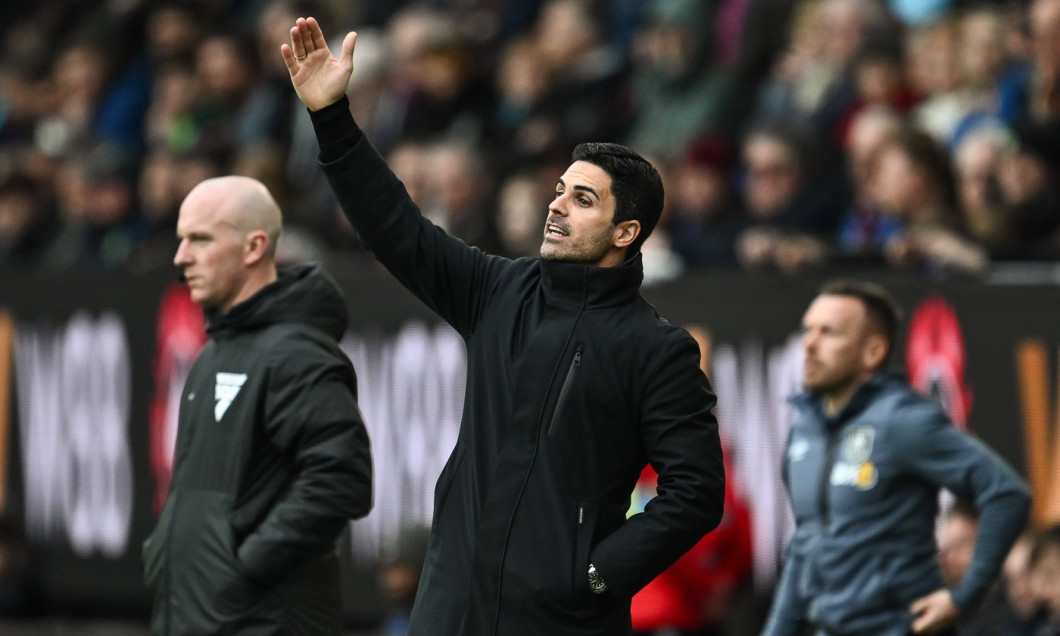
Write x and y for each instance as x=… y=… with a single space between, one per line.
x=792 y=134
x=1025 y=600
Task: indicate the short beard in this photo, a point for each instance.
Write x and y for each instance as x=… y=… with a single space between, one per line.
x=589 y=253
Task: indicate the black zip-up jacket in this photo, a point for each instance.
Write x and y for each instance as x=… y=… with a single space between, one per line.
x=573 y=384
x=272 y=460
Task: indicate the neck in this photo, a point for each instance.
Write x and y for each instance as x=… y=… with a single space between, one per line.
x=613 y=258
x=257 y=280
x=836 y=399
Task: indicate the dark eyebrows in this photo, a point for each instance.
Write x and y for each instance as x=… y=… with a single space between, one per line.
x=583 y=188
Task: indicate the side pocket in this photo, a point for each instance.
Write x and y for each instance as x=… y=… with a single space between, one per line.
x=586 y=516
x=154 y=547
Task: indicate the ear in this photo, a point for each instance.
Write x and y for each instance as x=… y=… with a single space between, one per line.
x=625 y=233
x=255 y=247
x=875 y=351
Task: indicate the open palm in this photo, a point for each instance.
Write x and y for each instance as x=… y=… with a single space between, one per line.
x=318 y=78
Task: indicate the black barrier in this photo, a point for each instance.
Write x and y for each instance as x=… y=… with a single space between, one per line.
x=86 y=411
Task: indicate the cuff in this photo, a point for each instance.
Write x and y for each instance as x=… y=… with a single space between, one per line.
x=337 y=132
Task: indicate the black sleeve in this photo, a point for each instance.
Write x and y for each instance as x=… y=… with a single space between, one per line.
x=454 y=280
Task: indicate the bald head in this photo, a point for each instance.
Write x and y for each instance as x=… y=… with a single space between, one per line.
x=228 y=228
x=242 y=203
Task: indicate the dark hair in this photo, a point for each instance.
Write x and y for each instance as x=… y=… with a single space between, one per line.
x=883 y=312
x=962 y=508
x=803 y=154
x=930 y=159
x=1048 y=539
x=635 y=184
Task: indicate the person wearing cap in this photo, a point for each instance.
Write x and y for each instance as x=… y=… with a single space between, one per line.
x=574 y=383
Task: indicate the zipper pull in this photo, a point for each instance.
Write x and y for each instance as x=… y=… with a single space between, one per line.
x=581 y=516
x=577 y=358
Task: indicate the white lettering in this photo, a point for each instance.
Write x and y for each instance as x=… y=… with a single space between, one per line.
x=754 y=417
x=411 y=392
x=74 y=387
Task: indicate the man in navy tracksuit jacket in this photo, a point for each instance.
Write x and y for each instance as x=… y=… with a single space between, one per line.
x=864 y=463
x=574 y=383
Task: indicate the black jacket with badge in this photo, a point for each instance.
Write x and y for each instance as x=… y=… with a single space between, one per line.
x=573 y=384
x=272 y=461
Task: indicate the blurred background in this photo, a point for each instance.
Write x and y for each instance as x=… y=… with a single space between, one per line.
x=912 y=142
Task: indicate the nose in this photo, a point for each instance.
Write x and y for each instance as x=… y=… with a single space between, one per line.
x=559 y=205
x=181 y=258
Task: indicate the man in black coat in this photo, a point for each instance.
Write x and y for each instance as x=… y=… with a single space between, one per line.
x=272 y=457
x=573 y=384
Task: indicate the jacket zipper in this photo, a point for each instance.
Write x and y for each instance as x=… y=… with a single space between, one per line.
x=574 y=364
x=526 y=477
x=824 y=507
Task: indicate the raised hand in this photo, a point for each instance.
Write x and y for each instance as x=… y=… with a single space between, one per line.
x=318 y=78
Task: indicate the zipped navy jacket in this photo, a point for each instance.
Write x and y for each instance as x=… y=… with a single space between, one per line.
x=864 y=489
x=271 y=463
x=573 y=384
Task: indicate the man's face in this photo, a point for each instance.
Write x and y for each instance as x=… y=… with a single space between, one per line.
x=211 y=251
x=834 y=342
x=772 y=177
x=579 y=226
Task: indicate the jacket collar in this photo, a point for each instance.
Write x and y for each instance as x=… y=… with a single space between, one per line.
x=588 y=286
x=813 y=403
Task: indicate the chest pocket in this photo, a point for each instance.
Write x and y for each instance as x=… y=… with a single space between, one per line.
x=565 y=388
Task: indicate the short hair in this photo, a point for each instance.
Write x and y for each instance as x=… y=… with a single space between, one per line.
x=635 y=184
x=962 y=508
x=882 y=311
x=929 y=158
x=1048 y=539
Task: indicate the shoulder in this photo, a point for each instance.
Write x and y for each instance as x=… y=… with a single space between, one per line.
x=910 y=419
x=290 y=347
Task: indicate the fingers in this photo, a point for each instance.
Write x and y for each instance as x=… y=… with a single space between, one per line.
x=314 y=33
x=288 y=57
x=348 y=45
x=920 y=608
x=297 y=43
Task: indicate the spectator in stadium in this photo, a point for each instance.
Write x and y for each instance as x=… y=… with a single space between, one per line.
x=586 y=73
x=272 y=457
x=705 y=216
x=914 y=183
x=813 y=81
x=864 y=463
x=793 y=199
x=573 y=385
x=866 y=227
x=678 y=92
x=1037 y=95
x=992 y=615
x=1028 y=183
x=1045 y=577
x=976 y=162
x=1027 y=611
x=27 y=221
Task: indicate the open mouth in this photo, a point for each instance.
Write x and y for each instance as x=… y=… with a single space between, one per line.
x=551 y=229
